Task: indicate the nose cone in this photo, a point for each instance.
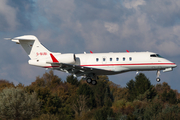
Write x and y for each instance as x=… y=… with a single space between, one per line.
x=169 y=63
x=174 y=65
x=170 y=67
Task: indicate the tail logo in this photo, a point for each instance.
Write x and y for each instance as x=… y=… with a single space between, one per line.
x=41 y=53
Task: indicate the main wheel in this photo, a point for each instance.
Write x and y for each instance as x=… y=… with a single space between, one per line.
x=89 y=80
x=94 y=82
x=158 y=79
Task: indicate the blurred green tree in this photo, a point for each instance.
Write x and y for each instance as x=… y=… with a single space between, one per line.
x=169 y=97
x=102 y=92
x=16 y=104
x=139 y=86
x=5 y=84
x=86 y=90
x=50 y=103
x=103 y=113
x=169 y=113
x=72 y=80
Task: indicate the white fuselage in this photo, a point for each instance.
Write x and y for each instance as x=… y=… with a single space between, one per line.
x=123 y=62
x=115 y=63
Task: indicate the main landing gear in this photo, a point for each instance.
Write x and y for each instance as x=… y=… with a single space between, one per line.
x=90 y=80
x=157 y=78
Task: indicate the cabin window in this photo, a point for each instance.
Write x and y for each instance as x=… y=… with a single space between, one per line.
x=97 y=59
x=117 y=59
x=104 y=59
x=130 y=58
x=124 y=58
x=110 y=59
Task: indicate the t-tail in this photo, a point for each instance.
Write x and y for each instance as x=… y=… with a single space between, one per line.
x=32 y=46
x=40 y=56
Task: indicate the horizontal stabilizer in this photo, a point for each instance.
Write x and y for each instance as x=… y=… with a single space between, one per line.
x=22 y=38
x=25 y=37
x=12 y=39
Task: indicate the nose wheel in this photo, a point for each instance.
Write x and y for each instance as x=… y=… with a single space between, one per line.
x=158 y=79
x=158 y=74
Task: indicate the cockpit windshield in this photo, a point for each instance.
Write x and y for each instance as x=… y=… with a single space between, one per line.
x=155 y=55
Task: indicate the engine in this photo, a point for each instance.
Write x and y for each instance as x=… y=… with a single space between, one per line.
x=66 y=58
x=62 y=58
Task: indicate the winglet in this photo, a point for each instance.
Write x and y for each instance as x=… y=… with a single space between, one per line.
x=91 y=52
x=127 y=51
x=53 y=58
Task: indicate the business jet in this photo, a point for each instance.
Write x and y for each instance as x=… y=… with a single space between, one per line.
x=90 y=65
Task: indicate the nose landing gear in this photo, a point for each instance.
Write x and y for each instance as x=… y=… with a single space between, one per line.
x=157 y=78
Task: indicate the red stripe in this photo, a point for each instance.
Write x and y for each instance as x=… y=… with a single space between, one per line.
x=50 y=66
x=131 y=64
x=121 y=64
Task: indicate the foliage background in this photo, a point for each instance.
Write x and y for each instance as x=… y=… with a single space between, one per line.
x=48 y=97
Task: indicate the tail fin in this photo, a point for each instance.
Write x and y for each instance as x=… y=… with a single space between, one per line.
x=32 y=46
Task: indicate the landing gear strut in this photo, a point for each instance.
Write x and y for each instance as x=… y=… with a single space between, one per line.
x=157 y=78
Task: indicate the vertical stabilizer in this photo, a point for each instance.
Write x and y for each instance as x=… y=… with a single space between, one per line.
x=32 y=46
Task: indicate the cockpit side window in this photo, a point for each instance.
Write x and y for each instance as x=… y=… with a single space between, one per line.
x=158 y=55
x=155 y=55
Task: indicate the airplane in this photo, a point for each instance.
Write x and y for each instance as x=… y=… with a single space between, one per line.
x=90 y=65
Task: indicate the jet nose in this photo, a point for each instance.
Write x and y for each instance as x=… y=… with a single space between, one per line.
x=171 y=64
x=174 y=65
x=170 y=67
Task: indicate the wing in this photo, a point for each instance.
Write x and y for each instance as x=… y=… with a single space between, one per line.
x=77 y=69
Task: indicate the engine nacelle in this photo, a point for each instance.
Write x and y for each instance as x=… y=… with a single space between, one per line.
x=62 y=58
x=66 y=58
